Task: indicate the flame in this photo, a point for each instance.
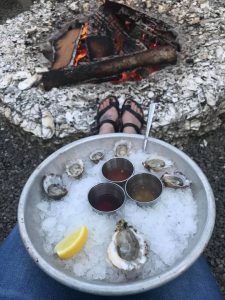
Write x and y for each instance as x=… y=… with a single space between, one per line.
x=84 y=31
x=80 y=54
x=125 y=76
x=81 y=49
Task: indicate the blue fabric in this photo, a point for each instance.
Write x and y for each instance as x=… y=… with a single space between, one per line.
x=20 y=278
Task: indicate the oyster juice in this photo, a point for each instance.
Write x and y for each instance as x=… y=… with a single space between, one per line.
x=143 y=194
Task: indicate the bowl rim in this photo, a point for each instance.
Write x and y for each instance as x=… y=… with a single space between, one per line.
x=123 y=288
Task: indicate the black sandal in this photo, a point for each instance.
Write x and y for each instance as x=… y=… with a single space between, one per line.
x=113 y=102
x=140 y=116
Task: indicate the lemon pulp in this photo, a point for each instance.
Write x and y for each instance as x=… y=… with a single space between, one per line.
x=72 y=244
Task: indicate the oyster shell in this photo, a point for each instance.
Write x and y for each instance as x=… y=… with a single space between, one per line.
x=156 y=164
x=128 y=250
x=175 y=180
x=122 y=148
x=53 y=186
x=96 y=156
x=75 y=169
x=29 y=82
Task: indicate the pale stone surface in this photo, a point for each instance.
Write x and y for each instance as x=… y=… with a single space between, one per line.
x=190 y=95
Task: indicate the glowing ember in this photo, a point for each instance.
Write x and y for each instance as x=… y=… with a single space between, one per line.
x=153 y=45
x=129 y=76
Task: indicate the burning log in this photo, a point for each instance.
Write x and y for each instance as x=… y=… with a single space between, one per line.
x=108 y=67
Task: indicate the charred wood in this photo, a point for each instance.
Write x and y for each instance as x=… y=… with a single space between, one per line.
x=105 y=68
x=64 y=48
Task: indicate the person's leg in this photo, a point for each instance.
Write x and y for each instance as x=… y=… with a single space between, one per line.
x=197 y=283
x=21 y=279
x=107 y=115
x=132 y=118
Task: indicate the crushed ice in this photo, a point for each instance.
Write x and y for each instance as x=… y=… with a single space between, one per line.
x=167 y=226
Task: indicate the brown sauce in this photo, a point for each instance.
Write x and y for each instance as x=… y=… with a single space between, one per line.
x=117 y=175
x=106 y=202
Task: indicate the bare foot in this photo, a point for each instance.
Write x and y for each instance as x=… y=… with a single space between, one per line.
x=110 y=114
x=128 y=117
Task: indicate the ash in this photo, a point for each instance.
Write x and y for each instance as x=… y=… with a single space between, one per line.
x=190 y=95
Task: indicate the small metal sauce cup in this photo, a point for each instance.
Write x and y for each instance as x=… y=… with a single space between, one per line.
x=144 y=188
x=117 y=170
x=106 y=197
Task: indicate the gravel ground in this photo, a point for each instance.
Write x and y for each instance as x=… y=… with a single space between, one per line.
x=20 y=153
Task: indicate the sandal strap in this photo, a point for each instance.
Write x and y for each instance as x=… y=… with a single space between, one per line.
x=131 y=125
x=112 y=103
x=114 y=123
x=127 y=107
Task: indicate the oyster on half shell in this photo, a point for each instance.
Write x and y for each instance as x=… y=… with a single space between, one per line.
x=75 y=169
x=96 y=156
x=128 y=250
x=157 y=164
x=53 y=186
x=122 y=148
x=175 y=180
x=154 y=164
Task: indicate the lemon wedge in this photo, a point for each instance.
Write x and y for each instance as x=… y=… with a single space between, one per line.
x=72 y=244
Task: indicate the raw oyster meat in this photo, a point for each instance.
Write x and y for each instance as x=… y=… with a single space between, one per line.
x=128 y=250
x=96 y=156
x=122 y=148
x=175 y=180
x=53 y=186
x=75 y=169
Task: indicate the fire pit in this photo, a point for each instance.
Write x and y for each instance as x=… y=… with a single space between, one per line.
x=190 y=93
x=107 y=45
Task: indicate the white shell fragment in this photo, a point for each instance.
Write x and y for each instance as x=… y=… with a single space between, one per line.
x=122 y=148
x=156 y=164
x=48 y=125
x=5 y=81
x=128 y=249
x=175 y=180
x=54 y=187
x=96 y=155
x=29 y=82
x=20 y=75
x=75 y=169
x=39 y=70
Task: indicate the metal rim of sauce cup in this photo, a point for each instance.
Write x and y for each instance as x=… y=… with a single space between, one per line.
x=118 y=159
x=144 y=203
x=103 y=188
